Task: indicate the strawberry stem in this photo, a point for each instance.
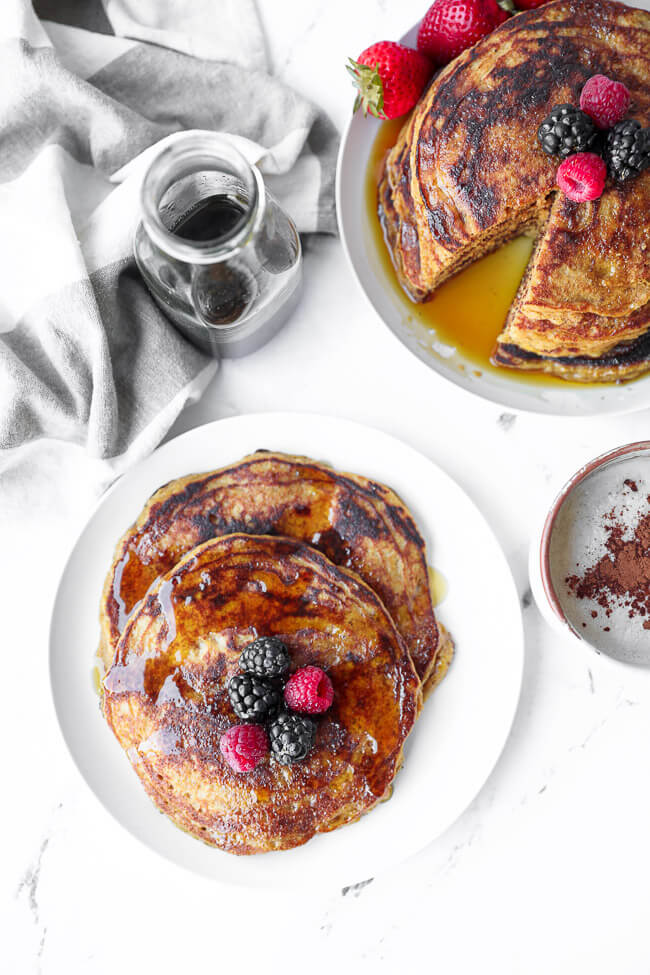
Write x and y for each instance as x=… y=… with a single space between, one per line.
x=367 y=81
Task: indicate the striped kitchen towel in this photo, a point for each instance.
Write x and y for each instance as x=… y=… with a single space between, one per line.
x=85 y=90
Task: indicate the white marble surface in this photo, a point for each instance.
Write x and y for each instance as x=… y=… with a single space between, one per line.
x=547 y=870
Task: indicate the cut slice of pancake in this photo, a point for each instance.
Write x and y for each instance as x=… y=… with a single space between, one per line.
x=467 y=174
x=594 y=258
x=166 y=699
x=355 y=522
x=583 y=308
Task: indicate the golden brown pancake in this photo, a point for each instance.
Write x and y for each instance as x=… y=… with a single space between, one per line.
x=583 y=308
x=356 y=523
x=624 y=362
x=594 y=258
x=467 y=174
x=166 y=700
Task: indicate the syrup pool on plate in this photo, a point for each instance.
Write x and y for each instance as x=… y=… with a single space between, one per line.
x=438 y=585
x=462 y=320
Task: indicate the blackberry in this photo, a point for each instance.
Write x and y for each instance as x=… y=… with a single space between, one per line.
x=267 y=657
x=291 y=738
x=253 y=698
x=627 y=152
x=567 y=130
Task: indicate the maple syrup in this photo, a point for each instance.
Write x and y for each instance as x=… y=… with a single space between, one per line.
x=210 y=218
x=96 y=678
x=468 y=311
x=438 y=585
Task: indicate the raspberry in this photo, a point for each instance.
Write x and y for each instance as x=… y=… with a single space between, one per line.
x=244 y=746
x=604 y=100
x=309 y=690
x=582 y=177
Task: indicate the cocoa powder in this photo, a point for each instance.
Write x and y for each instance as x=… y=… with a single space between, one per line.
x=621 y=578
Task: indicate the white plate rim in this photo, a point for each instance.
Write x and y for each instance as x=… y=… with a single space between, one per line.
x=338 y=873
x=611 y=400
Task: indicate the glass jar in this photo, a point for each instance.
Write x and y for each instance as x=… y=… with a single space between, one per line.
x=219 y=255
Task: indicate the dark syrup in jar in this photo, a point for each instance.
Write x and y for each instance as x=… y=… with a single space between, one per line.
x=229 y=306
x=210 y=219
x=222 y=291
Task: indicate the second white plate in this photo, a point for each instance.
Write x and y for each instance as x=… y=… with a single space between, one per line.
x=463 y=727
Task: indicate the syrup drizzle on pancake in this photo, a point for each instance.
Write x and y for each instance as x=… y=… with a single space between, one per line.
x=166 y=699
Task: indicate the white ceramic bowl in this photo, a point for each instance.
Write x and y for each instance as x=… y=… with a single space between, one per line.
x=500 y=386
x=567 y=531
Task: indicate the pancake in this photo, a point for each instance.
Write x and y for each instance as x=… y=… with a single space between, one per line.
x=165 y=696
x=467 y=174
x=356 y=523
x=583 y=307
x=623 y=363
x=594 y=258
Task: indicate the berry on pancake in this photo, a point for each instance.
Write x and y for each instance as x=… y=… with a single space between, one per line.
x=627 y=151
x=604 y=100
x=582 y=177
x=266 y=657
x=253 y=698
x=309 y=691
x=292 y=737
x=567 y=130
x=243 y=746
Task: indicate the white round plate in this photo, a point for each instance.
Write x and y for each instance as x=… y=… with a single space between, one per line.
x=463 y=726
x=396 y=311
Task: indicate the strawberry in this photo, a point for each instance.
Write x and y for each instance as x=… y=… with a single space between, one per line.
x=451 y=26
x=390 y=79
x=530 y=4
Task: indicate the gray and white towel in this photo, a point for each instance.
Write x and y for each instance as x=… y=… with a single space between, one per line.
x=86 y=91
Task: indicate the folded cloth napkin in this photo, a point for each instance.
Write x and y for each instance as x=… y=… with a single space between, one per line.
x=86 y=93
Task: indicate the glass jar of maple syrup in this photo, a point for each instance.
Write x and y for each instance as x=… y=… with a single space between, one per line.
x=219 y=255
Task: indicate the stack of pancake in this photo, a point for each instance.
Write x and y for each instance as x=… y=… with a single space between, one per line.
x=467 y=174
x=283 y=546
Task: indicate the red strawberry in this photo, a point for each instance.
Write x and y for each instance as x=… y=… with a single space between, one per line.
x=451 y=26
x=390 y=79
x=582 y=177
x=530 y=4
x=604 y=100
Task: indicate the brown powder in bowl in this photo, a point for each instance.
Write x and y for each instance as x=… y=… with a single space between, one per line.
x=622 y=576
